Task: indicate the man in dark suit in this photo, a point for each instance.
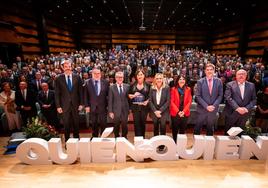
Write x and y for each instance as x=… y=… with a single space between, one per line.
x=36 y=83
x=240 y=99
x=46 y=100
x=25 y=100
x=96 y=101
x=68 y=99
x=208 y=96
x=118 y=106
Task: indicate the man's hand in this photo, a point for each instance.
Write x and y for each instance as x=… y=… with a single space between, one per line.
x=210 y=108
x=241 y=110
x=45 y=106
x=28 y=108
x=59 y=110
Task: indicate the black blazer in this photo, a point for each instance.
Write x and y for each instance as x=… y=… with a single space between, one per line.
x=30 y=100
x=97 y=104
x=163 y=105
x=42 y=99
x=66 y=99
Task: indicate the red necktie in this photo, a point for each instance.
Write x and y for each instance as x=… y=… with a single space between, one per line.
x=210 y=85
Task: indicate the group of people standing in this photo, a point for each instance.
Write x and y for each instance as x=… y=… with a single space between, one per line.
x=157 y=99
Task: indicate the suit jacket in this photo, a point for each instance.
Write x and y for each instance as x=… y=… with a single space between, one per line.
x=34 y=85
x=204 y=99
x=50 y=100
x=234 y=99
x=66 y=99
x=30 y=101
x=97 y=104
x=163 y=105
x=175 y=101
x=118 y=104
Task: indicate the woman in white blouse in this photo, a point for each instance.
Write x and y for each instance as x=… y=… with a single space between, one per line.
x=159 y=104
x=7 y=102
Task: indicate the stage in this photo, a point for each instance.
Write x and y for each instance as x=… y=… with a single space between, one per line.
x=181 y=173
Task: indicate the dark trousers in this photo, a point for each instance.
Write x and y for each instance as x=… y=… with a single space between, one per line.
x=71 y=120
x=51 y=118
x=208 y=119
x=178 y=125
x=123 y=122
x=99 y=123
x=27 y=115
x=235 y=120
x=159 y=125
x=139 y=122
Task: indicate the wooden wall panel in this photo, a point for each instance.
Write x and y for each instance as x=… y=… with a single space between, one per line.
x=258 y=36
x=24 y=30
x=225 y=39
x=60 y=37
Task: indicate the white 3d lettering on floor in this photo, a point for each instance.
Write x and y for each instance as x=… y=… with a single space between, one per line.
x=36 y=151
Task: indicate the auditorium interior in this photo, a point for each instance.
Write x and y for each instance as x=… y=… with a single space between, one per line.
x=172 y=37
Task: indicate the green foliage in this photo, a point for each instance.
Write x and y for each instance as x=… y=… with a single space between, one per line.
x=251 y=131
x=40 y=129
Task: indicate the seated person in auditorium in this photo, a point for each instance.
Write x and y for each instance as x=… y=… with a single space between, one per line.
x=25 y=100
x=118 y=106
x=180 y=103
x=262 y=110
x=36 y=83
x=159 y=104
x=7 y=102
x=139 y=95
x=240 y=97
x=46 y=100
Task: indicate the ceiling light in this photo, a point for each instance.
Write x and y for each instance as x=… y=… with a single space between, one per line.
x=180 y=3
x=58 y=6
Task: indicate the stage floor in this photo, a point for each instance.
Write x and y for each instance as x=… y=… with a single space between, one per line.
x=181 y=173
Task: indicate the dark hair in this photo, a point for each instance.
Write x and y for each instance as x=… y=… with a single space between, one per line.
x=138 y=71
x=4 y=84
x=177 y=80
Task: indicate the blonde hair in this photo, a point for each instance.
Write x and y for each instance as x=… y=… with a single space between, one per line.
x=154 y=81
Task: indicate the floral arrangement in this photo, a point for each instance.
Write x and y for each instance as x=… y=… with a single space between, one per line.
x=40 y=129
x=251 y=130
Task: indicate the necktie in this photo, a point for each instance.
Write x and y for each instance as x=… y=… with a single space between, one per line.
x=120 y=90
x=46 y=94
x=210 y=86
x=39 y=84
x=24 y=94
x=241 y=90
x=96 y=87
x=69 y=83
